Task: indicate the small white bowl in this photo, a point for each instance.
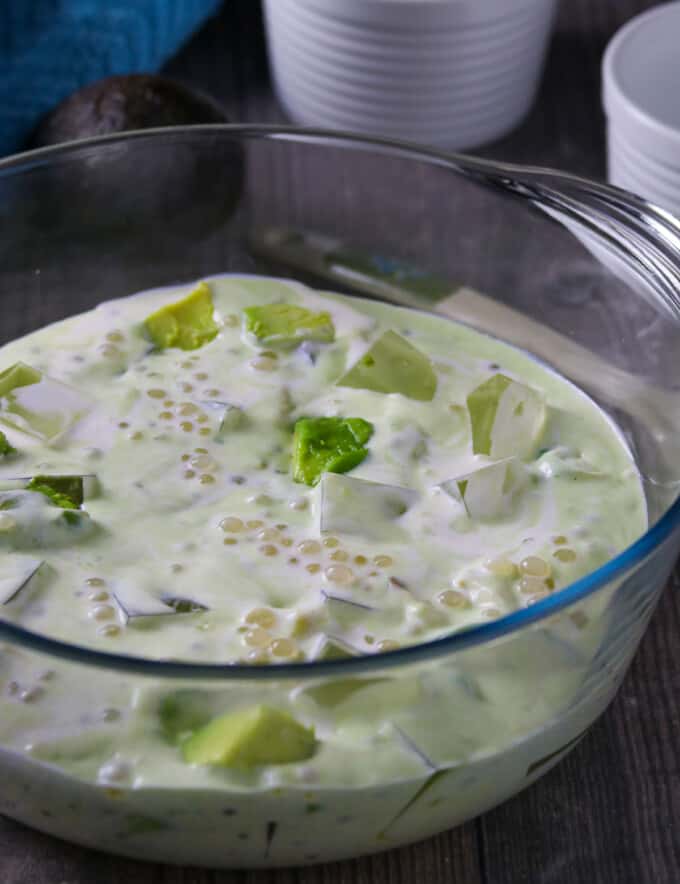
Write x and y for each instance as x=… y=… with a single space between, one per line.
x=454 y=73
x=640 y=92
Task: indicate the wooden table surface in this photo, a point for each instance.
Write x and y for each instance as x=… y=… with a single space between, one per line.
x=609 y=813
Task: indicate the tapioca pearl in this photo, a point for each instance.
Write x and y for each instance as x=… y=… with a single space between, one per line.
x=188 y=474
x=253 y=524
x=502 y=568
x=309 y=547
x=257 y=657
x=534 y=566
x=99 y=596
x=287 y=541
x=186 y=388
x=115 y=336
x=369 y=639
x=263 y=363
x=186 y=426
x=340 y=555
x=108 y=351
x=212 y=392
x=264 y=617
x=268 y=549
x=579 y=619
x=313 y=568
x=137 y=436
x=207 y=479
x=387 y=644
x=232 y=525
x=560 y=540
x=452 y=599
x=187 y=409
x=284 y=647
x=492 y=613
x=32 y=694
x=293 y=560
x=270 y=534
x=339 y=574
x=156 y=393
x=47 y=675
x=102 y=612
x=95 y=581
x=115 y=771
x=565 y=554
x=382 y=561
x=530 y=585
x=176 y=568
x=205 y=431
x=123 y=425
x=166 y=415
x=360 y=560
x=201 y=376
x=257 y=637
x=330 y=542
x=169 y=403
x=110 y=714
x=298 y=503
x=111 y=630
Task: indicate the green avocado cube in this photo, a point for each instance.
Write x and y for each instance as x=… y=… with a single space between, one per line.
x=507 y=418
x=328 y=445
x=64 y=491
x=5 y=447
x=250 y=737
x=393 y=365
x=187 y=324
x=287 y=325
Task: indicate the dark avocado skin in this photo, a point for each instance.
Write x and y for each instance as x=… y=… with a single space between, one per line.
x=119 y=104
x=133 y=205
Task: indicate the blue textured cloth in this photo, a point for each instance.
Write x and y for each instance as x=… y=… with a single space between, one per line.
x=49 y=48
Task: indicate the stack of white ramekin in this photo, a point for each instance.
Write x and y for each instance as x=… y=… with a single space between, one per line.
x=452 y=73
x=641 y=94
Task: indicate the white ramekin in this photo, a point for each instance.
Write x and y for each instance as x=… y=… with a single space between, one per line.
x=641 y=97
x=453 y=73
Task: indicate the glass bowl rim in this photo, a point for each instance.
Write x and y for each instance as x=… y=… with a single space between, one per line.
x=473 y=636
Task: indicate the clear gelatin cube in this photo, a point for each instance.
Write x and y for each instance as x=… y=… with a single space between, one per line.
x=350 y=505
x=287 y=325
x=38 y=405
x=488 y=492
x=507 y=418
x=393 y=365
x=17 y=573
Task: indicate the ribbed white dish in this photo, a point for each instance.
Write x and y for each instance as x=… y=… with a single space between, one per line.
x=641 y=82
x=454 y=73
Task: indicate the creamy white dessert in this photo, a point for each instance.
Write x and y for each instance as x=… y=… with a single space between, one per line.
x=249 y=471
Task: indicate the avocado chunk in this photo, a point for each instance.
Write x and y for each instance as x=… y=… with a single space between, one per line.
x=64 y=491
x=39 y=405
x=287 y=325
x=372 y=509
x=392 y=365
x=507 y=418
x=5 y=447
x=328 y=444
x=250 y=737
x=187 y=324
x=18 y=375
x=488 y=492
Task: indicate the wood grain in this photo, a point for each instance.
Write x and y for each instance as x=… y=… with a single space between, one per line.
x=607 y=814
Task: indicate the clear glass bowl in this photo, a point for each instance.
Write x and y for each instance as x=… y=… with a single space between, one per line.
x=584 y=276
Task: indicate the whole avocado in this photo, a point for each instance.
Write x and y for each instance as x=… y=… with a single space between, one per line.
x=137 y=203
